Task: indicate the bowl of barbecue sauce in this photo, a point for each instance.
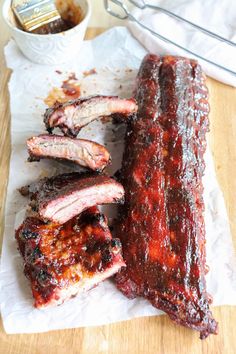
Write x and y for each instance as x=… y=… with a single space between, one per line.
x=56 y=42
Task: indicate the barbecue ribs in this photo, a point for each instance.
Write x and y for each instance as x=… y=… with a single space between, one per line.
x=62 y=197
x=71 y=116
x=64 y=260
x=83 y=152
x=161 y=225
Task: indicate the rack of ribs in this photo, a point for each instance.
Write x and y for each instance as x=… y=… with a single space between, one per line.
x=71 y=116
x=83 y=152
x=161 y=225
x=63 y=260
x=60 y=198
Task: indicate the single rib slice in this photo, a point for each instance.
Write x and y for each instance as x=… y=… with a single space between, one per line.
x=83 y=152
x=161 y=225
x=64 y=260
x=62 y=197
x=71 y=116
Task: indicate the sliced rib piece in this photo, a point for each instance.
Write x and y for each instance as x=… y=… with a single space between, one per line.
x=63 y=260
x=71 y=116
x=62 y=197
x=83 y=152
x=161 y=225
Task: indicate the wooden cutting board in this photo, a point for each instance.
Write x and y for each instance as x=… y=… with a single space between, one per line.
x=143 y=335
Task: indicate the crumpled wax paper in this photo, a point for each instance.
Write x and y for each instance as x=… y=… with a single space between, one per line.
x=116 y=55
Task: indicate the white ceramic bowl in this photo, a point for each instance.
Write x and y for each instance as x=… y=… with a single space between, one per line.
x=49 y=48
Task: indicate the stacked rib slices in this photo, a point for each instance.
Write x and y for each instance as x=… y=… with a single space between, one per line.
x=65 y=241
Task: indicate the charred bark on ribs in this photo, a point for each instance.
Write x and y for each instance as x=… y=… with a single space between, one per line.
x=62 y=197
x=71 y=116
x=83 y=152
x=161 y=225
x=63 y=260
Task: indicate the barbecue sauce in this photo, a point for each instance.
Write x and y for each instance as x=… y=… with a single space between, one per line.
x=60 y=255
x=71 y=16
x=69 y=90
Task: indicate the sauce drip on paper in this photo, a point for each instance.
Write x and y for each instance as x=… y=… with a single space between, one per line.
x=69 y=90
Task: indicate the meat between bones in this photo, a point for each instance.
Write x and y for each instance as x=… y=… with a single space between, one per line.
x=83 y=152
x=71 y=116
x=62 y=197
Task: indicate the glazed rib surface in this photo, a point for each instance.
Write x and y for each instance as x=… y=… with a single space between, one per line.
x=63 y=260
x=161 y=224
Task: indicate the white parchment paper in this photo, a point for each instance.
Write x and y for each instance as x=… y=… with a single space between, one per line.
x=116 y=55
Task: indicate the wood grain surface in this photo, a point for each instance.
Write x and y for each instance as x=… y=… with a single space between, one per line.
x=144 y=335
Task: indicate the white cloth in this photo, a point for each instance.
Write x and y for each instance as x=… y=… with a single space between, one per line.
x=216 y=15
